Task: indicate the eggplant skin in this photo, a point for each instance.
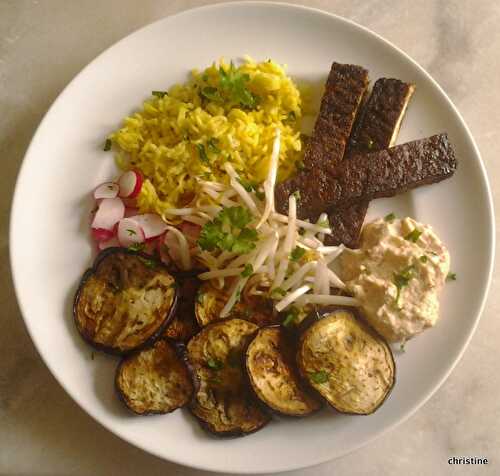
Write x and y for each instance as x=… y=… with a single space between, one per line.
x=223 y=402
x=254 y=308
x=154 y=380
x=346 y=362
x=273 y=376
x=124 y=302
x=183 y=326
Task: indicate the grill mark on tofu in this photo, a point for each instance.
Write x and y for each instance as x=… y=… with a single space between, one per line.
x=383 y=174
x=344 y=90
x=376 y=128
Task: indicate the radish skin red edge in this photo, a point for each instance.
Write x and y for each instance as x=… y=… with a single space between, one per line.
x=130 y=184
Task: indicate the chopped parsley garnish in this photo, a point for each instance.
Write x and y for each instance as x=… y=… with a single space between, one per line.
x=291 y=317
x=402 y=279
x=159 y=94
x=323 y=223
x=319 y=377
x=131 y=232
x=202 y=153
x=297 y=253
x=291 y=117
x=299 y=165
x=212 y=145
x=451 y=276
x=390 y=217
x=232 y=87
x=260 y=195
x=149 y=262
x=247 y=185
x=296 y=194
x=228 y=231
x=248 y=271
x=278 y=292
x=402 y=346
x=136 y=247
x=107 y=145
x=423 y=259
x=215 y=364
x=92 y=355
x=413 y=236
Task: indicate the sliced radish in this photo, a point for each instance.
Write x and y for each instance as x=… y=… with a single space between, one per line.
x=151 y=223
x=106 y=190
x=110 y=211
x=101 y=234
x=131 y=212
x=130 y=184
x=130 y=232
x=111 y=243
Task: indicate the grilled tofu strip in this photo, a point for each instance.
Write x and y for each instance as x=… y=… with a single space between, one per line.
x=376 y=128
x=344 y=91
x=380 y=174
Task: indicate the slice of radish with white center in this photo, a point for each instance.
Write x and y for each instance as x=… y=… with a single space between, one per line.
x=100 y=234
x=111 y=243
x=130 y=232
x=110 y=211
x=151 y=223
x=130 y=184
x=106 y=190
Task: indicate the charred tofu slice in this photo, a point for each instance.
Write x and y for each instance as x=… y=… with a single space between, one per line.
x=224 y=403
x=273 y=376
x=344 y=90
x=346 y=363
x=125 y=301
x=375 y=129
x=380 y=174
x=155 y=379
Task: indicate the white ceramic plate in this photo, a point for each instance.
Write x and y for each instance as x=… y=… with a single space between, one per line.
x=49 y=236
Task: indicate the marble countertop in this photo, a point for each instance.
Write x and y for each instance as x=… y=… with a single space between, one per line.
x=43 y=44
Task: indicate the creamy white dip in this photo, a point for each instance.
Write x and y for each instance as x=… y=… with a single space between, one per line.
x=397 y=275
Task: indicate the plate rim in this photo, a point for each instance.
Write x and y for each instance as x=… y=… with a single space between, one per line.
x=285 y=6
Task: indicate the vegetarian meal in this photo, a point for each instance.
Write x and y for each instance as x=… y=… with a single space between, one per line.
x=234 y=275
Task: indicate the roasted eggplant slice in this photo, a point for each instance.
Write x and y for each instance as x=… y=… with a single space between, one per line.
x=155 y=379
x=223 y=402
x=254 y=308
x=273 y=376
x=125 y=301
x=349 y=365
x=184 y=326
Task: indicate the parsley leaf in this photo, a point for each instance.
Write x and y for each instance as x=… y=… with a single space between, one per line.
x=107 y=145
x=413 y=236
x=228 y=231
x=278 y=292
x=159 y=94
x=451 y=276
x=136 y=247
x=390 y=217
x=212 y=145
x=319 y=377
x=202 y=153
x=296 y=194
x=215 y=364
x=248 y=271
x=291 y=317
x=232 y=87
x=297 y=253
x=402 y=279
x=423 y=259
x=131 y=232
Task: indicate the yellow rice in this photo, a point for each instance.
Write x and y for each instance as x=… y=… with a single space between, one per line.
x=164 y=138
